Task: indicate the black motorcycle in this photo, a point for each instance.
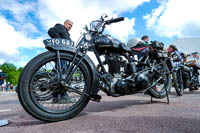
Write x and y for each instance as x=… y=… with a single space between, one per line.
x=65 y=69
x=186 y=75
x=177 y=73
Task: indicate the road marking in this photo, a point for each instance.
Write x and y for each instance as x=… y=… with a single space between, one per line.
x=5 y=110
x=3 y=122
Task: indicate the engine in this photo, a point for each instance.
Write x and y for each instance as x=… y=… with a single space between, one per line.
x=131 y=84
x=123 y=77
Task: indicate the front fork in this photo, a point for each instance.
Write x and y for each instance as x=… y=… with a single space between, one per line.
x=70 y=67
x=59 y=65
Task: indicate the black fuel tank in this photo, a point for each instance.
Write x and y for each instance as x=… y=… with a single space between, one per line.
x=105 y=43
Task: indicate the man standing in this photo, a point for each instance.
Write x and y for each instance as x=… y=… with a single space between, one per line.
x=61 y=31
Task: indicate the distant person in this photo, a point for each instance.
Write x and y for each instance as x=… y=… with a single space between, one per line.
x=11 y=87
x=172 y=49
x=7 y=86
x=145 y=38
x=144 y=42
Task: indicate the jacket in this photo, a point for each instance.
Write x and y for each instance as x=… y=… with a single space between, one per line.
x=59 y=31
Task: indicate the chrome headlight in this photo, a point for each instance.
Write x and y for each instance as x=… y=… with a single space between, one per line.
x=175 y=57
x=88 y=37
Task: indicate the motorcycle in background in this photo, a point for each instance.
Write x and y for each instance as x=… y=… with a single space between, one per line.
x=177 y=73
x=191 y=71
x=186 y=75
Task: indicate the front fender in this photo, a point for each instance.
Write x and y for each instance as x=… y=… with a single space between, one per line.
x=87 y=59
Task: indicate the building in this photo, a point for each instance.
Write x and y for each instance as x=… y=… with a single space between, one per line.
x=188 y=45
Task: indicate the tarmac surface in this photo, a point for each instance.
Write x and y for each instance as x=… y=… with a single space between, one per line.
x=127 y=114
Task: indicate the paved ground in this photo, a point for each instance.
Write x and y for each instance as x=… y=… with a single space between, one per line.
x=126 y=114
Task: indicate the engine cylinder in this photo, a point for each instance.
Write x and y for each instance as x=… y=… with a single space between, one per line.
x=142 y=81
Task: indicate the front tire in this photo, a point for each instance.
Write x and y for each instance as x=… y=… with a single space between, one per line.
x=178 y=82
x=43 y=109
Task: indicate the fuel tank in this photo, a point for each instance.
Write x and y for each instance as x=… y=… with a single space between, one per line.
x=106 y=43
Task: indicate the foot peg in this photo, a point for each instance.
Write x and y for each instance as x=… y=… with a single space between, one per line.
x=95 y=97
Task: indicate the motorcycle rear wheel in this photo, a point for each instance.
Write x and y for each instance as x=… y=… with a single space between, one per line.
x=160 y=93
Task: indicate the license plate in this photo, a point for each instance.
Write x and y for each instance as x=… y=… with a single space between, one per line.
x=58 y=41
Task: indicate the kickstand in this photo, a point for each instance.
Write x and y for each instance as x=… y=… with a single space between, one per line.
x=166 y=94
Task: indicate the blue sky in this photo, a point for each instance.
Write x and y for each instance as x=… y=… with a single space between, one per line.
x=24 y=23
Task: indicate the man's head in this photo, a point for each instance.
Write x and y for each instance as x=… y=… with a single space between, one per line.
x=145 y=38
x=171 y=48
x=68 y=24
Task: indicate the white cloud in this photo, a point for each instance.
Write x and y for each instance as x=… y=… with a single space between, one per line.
x=122 y=29
x=11 y=40
x=16 y=33
x=83 y=11
x=187 y=45
x=18 y=10
x=178 y=18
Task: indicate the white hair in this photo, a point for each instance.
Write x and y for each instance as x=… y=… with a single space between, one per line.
x=68 y=21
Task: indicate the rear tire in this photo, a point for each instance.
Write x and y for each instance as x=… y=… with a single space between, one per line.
x=33 y=107
x=167 y=85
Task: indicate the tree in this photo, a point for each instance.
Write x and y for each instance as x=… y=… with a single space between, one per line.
x=11 y=72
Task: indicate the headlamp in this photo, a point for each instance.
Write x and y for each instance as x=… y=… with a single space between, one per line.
x=88 y=37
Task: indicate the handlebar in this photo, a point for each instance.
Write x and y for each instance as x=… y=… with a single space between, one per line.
x=100 y=24
x=115 y=20
x=191 y=54
x=194 y=53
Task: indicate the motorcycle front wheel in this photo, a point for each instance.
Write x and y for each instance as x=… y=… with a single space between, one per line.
x=178 y=82
x=43 y=97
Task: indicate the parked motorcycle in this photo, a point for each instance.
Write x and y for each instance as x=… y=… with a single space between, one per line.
x=186 y=75
x=177 y=72
x=120 y=74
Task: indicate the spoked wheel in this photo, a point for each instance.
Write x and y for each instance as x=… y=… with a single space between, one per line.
x=162 y=80
x=44 y=97
x=178 y=82
x=40 y=81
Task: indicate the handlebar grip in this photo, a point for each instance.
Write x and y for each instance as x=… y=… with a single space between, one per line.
x=195 y=53
x=191 y=54
x=115 y=20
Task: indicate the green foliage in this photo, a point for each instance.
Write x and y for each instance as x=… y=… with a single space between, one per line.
x=11 y=72
x=77 y=74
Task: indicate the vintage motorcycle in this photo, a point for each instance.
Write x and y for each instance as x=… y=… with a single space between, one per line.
x=186 y=74
x=177 y=72
x=66 y=69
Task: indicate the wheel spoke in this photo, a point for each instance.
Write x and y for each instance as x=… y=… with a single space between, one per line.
x=49 y=94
